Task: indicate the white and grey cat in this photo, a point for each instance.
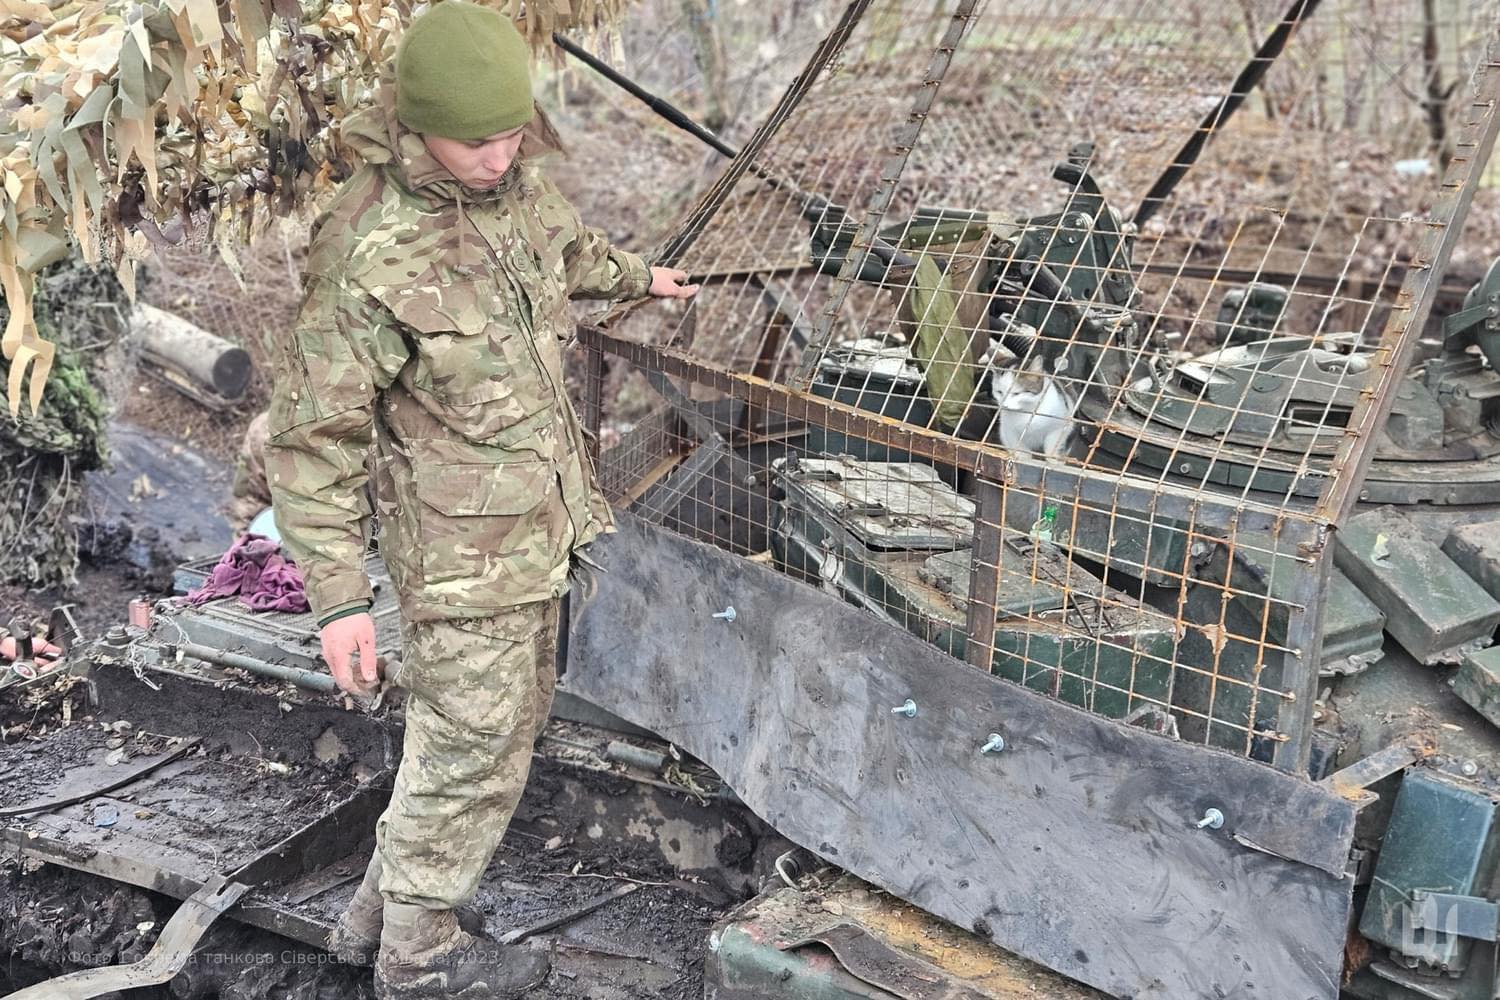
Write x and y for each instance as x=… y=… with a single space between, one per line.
x=1036 y=411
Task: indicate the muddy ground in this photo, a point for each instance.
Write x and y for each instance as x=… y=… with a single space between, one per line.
x=255 y=773
x=648 y=942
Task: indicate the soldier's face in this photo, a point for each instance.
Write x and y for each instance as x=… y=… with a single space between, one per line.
x=477 y=163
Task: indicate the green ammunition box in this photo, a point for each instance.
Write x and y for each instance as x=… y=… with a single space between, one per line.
x=1432 y=607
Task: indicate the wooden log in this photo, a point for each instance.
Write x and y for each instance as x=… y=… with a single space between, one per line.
x=212 y=364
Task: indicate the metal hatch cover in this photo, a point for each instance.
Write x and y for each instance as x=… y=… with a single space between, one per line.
x=886 y=505
x=1076 y=846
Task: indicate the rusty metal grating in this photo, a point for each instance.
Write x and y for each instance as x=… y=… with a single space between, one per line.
x=1065 y=334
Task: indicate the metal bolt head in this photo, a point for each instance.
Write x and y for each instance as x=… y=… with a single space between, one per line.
x=994 y=744
x=1212 y=819
x=727 y=614
x=907 y=708
x=1469 y=768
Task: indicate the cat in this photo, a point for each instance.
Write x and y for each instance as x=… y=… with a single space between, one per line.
x=1036 y=412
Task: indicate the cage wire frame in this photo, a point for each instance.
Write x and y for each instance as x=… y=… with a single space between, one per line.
x=1105 y=550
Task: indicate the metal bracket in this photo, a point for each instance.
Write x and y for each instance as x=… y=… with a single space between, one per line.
x=62 y=628
x=1460 y=321
x=661 y=501
x=702 y=426
x=1354 y=781
x=1463 y=916
x=705 y=458
x=165 y=959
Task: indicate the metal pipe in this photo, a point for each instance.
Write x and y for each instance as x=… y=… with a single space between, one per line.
x=661 y=107
x=817 y=209
x=308 y=679
x=633 y=756
x=1216 y=119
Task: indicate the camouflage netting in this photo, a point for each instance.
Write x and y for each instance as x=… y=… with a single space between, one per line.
x=43 y=457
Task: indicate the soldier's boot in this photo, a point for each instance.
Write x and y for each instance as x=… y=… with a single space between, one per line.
x=426 y=955
x=356 y=937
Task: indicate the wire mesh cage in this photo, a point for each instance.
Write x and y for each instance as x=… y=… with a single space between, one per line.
x=1065 y=335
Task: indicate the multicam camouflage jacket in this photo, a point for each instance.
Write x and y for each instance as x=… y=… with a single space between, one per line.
x=430 y=343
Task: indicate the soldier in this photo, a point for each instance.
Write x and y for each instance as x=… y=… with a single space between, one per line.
x=250 y=493
x=432 y=332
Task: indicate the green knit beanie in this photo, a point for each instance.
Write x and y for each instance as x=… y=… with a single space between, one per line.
x=463 y=72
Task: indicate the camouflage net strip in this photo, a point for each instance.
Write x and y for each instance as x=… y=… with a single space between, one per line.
x=43 y=455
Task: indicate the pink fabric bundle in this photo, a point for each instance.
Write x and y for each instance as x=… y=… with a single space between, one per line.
x=255 y=569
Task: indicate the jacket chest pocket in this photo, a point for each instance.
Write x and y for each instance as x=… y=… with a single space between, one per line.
x=476 y=357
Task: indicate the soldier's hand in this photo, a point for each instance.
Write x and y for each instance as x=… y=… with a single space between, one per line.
x=342 y=639
x=667 y=283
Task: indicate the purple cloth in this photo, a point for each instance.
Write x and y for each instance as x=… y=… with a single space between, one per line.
x=255 y=569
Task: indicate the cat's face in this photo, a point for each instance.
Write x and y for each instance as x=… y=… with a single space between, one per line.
x=1018 y=390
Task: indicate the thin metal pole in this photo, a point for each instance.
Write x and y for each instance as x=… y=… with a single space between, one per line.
x=744 y=162
x=984 y=576
x=815 y=207
x=593 y=398
x=867 y=242
x=668 y=111
x=1254 y=71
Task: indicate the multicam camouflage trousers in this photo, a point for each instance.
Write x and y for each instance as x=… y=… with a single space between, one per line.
x=479 y=690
